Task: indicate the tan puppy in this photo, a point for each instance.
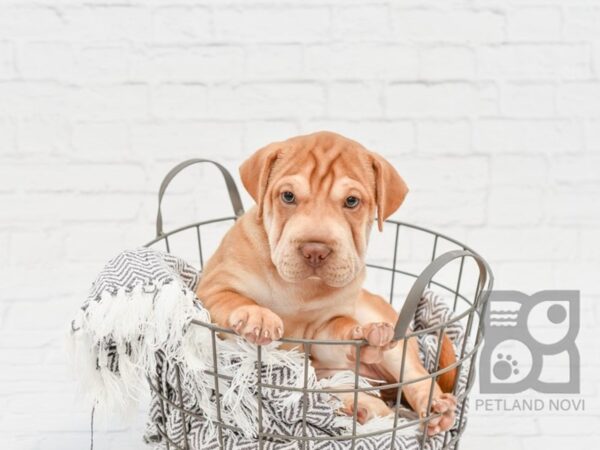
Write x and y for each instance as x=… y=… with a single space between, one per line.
x=294 y=265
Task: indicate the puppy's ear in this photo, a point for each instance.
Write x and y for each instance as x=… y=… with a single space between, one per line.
x=390 y=189
x=255 y=173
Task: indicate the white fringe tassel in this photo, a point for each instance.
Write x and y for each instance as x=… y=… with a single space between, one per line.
x=161 y=316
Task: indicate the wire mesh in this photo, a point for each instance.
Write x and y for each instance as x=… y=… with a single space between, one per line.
x=467 y=306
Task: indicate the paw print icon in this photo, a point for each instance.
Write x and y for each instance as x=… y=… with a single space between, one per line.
x=505 y=367
x=529 y=343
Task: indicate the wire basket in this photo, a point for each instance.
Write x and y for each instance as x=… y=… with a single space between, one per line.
x=399 y=274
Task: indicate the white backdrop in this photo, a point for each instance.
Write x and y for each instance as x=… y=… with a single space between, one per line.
x=489 y=108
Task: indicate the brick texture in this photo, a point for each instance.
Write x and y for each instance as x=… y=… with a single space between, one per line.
x=489 y=108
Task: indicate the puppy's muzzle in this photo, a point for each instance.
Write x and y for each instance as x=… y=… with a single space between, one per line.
x=315 y=253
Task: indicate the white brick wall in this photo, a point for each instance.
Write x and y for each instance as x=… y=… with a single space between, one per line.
x=489 y=108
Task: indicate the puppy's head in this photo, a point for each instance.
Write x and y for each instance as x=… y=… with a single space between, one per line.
x=317 y=196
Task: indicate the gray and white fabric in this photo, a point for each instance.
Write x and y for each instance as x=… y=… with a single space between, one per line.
x=136 y=325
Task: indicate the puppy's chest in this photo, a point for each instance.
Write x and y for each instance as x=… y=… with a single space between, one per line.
x=304 y=304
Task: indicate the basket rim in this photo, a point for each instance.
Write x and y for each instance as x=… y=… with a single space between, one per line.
x=301 y=341
x=474 y=307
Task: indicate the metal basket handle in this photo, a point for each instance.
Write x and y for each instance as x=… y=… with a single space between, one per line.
x=234 y=194
x=416 y=292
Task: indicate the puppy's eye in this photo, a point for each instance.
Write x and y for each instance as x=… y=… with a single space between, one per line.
x=288 y=197
x=351 y=202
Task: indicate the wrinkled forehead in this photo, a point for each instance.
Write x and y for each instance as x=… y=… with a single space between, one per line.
x=322 y=167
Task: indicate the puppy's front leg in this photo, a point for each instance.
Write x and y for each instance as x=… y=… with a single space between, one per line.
x=328 y=359
x=255 y=323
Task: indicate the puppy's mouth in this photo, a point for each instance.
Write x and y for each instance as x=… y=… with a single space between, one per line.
x=338 y=275
x=314 y=275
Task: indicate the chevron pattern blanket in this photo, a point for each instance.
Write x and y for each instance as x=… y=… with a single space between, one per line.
x=136 y=325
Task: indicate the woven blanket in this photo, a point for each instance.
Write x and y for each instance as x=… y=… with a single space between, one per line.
x=136 y=326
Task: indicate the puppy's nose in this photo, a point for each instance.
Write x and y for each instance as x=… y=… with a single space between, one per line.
x=315 y=253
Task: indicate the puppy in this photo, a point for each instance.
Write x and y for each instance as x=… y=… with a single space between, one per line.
x=294 y=264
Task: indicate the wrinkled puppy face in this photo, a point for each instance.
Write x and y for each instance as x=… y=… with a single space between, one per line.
x=317 y=196
x=318 y=215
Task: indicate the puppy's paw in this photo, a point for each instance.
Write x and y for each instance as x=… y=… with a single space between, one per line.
x=445 y=405
x=256 y=324
x=379 y=334
x=379 y=337
x=368 y=407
